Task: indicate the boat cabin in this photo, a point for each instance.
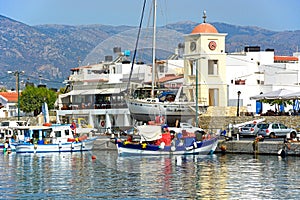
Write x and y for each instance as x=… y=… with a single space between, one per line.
x=45 y=134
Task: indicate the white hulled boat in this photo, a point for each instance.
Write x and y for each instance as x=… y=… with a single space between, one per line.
x=147 y=106
x=56 y=138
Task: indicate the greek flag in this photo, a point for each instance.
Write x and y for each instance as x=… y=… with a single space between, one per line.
x=45 y=112
x=296 y=105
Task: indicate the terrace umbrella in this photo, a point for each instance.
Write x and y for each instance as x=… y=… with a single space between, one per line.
x=276 y=94
x=292 y=96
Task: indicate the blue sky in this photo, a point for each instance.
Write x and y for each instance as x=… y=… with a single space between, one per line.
x=277 y=15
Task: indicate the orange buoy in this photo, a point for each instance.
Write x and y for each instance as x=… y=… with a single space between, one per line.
x=47 y=124
x=93 y=157
x=223 y=147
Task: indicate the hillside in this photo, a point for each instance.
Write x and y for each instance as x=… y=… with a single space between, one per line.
x=47 y=52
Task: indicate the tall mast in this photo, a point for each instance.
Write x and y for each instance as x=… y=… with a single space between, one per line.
x=153 y=48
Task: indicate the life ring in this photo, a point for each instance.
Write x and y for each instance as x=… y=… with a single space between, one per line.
x=102 y=123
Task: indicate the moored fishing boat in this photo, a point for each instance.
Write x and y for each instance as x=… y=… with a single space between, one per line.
x=8 y=137
x=60 y=138
x=157 y=140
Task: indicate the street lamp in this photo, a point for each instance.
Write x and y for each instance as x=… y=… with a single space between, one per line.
x=238 y=104
x=17 y=75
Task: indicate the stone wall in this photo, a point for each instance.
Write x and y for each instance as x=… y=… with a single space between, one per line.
x=265 y=147
x=222 y=122
x=218 y=118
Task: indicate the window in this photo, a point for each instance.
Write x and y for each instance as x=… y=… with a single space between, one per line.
x=4 y=123
x=35 y=134
x=193 y=67
x=57 y=133
x=213 y=67
x=275 y=126
x=47 y=132
x=161 y=69
x=282 y=126
x=214 y=97
x=67 y=132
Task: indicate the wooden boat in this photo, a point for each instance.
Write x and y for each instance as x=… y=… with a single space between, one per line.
x=157 y=140
x=59 y=138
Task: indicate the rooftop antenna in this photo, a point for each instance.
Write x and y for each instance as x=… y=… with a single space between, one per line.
x=79 y=61
x=204 y=16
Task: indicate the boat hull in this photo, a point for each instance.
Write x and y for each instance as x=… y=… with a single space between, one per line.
x=200 y=147
x=142 y=111
x=85 y=145
x=10 y=147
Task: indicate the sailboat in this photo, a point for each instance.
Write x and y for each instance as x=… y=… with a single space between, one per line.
x=147 y=103
x=156 y=138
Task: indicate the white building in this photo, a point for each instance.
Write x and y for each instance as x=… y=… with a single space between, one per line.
x=223 y=79
x=9 y=104
x=253 y=72
x=97 y=91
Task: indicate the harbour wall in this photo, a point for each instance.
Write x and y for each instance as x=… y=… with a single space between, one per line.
x=259 y=147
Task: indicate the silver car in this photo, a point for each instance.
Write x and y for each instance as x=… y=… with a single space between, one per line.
x=276 y=130
x=250 y=129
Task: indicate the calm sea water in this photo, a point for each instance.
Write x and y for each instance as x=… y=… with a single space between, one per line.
x=78 y=176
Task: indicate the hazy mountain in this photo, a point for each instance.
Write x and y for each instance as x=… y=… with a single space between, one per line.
x=47 y=52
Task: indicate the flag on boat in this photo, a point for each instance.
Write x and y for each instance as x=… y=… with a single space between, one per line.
x=73 y=127
x=45 y=112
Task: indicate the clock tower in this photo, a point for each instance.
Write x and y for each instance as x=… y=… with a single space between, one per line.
x=205 y=65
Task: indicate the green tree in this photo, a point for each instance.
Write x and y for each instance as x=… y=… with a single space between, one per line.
x=277 y=102
x=3 y=89
x=32 y=99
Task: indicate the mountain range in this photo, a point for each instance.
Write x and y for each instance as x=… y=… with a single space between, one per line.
x=46 y=53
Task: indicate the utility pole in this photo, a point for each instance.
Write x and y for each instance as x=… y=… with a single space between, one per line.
x=17 y=75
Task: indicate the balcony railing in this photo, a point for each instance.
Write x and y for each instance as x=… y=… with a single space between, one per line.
x=83 y=106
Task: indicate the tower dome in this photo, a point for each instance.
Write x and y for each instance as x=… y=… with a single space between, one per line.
x=204 y=27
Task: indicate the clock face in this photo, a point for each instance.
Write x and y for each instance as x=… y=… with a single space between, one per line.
x=193 y=46
x=212 y=45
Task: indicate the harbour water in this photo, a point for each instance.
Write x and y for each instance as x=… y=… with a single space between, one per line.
x=78 y=176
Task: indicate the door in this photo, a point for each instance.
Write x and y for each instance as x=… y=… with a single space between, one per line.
x=283 y=130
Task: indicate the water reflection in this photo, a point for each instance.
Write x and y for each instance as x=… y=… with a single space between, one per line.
x=78 y=176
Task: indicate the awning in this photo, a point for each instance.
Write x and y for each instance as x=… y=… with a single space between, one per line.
x=149 y=133
x=294 y=95
x=73 y=92
x=277 y=94
x=95 y=91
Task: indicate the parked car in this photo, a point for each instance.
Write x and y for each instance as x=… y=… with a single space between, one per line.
x=277 y=130
x=250 y=129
